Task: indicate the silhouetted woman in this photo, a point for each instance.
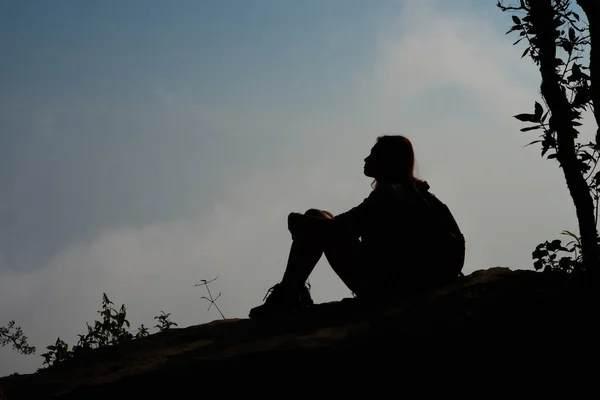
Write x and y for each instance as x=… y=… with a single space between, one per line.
x=401 y=237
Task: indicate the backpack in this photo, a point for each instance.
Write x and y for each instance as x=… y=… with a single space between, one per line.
x=443 y=245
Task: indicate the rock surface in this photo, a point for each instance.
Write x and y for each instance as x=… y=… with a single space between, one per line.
x=495 y=329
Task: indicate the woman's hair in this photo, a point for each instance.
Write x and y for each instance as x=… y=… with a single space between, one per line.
x=396 y=156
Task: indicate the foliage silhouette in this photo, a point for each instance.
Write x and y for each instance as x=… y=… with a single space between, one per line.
x=10 y=333
x=557 y=39
x=112 y=329
x=142 y=332
x=163 y=322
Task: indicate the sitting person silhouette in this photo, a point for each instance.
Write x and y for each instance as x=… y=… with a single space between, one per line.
x=400 y=238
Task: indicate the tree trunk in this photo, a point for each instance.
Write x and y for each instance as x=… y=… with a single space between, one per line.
x=542 y=18
x=592 y=11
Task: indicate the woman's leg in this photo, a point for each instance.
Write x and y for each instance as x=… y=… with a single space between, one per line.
x=344 y=254
x=304 y=255
x=347 y=259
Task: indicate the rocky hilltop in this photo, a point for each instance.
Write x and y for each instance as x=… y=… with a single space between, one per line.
x=494 y=330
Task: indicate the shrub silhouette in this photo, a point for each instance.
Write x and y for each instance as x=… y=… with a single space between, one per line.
x=163 y=322
x=112 y=329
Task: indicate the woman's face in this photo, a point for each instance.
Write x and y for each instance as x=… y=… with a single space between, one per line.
x=373 y=163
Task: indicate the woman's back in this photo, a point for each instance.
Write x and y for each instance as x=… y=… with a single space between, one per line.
x=406 y=233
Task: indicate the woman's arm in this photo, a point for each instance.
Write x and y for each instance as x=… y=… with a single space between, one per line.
x=351 y=223
x=301 y=226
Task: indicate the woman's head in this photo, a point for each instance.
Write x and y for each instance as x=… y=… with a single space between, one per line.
x=392 y=159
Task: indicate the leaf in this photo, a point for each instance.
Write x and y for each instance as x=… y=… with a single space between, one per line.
x=545 y=116
x=552 y=156
x=531 y=128
x=572 y=34
x=526 y=117
x=538 y=254
x=576 y=16
x=576 y=74
x=558 y=22
x=518 y=41
x=514 y=28
x=554 y=245
x=535 y=141
x=564 y=263
x=571 y=234
x=545 y=150
x=516 y=19
x=525 y=52
x=567 y=46
x=539 y=110
x=582 y=96
x=585 y=155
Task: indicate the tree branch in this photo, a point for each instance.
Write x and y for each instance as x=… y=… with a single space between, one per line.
x=544 y=20
x=592 y=11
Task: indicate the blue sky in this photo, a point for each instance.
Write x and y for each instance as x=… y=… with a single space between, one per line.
x=145 y=145
x=110 y=86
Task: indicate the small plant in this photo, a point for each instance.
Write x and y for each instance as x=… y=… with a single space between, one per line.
x=164 y=323
x=546 y=255
x=210 y=298
x=110 y=330
x=141 y=332
x=59 y=352
x=14 y=334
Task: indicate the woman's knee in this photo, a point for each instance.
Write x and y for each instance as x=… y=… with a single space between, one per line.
x=313 y=212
